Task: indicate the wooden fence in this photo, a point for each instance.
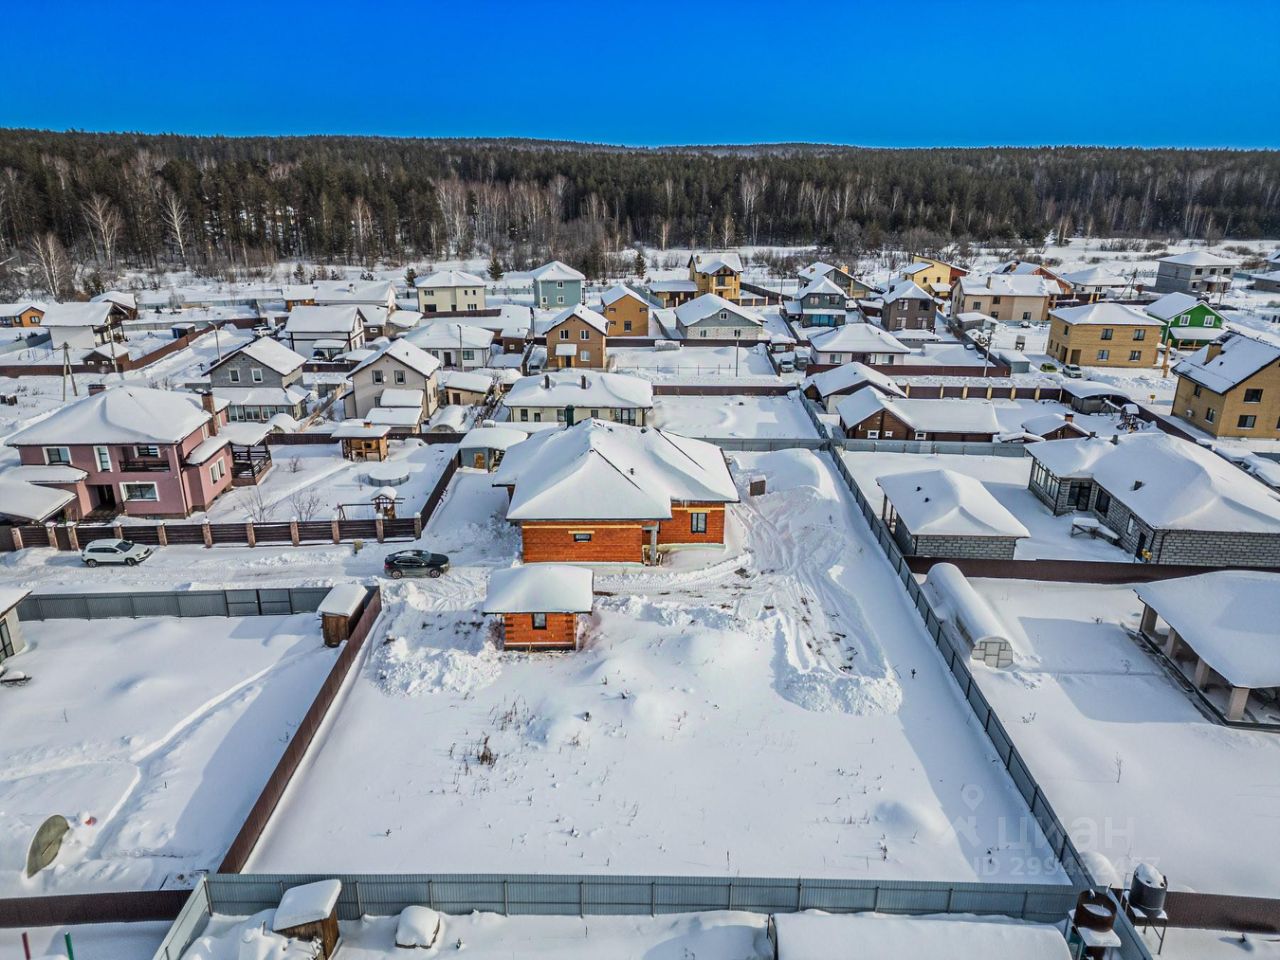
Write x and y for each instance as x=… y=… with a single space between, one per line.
x=55 y=911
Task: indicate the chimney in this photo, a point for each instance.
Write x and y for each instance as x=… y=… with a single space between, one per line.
x=1069 y=416
x=584 y=381
x=546 y=381
x=1211 y=353
x=210 y=407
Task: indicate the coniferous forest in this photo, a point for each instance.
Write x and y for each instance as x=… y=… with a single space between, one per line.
x=143 y=201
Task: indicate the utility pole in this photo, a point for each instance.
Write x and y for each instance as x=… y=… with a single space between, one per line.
x=67 y=373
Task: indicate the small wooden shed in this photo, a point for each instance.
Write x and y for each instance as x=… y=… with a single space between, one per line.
x=363 y=440
x=310 y=912
x=540 y=604
x=338 y=612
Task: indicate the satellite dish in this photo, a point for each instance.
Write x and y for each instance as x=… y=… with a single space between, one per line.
x=46 y=843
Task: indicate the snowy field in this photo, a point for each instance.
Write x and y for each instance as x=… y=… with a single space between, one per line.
x=317 y=480
x=1218 y=945
x=694 y=364
x=1006 y=479
x=1126 y=758
x=91 y=941
x=151 y=736
x=772 y=707
x=734 y=417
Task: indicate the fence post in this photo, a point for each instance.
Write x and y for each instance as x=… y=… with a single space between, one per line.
x=207 y=532
x=336 y=529
x=359 y=901
x=582 y=899
x=73 y=536
x=293 y=531
x=250 y=534
x=431 y=894
x=377 y=526
x=653 y=898
x=506 y=903
x=162 y=533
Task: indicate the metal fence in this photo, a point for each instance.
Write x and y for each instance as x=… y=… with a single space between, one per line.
x=932 y=446
x=265 y=602
x=761 y=446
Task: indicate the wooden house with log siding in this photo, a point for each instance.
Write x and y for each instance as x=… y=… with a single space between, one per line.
x=540 y=605
x=601 y=492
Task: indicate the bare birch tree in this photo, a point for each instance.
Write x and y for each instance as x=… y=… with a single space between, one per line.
x=52 y=266
x=174 y=216
x=105 y=225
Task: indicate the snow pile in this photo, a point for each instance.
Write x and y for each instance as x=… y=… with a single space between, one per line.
x=418 y=927
x=430 y=648
x=248 y=939
x=813 y=935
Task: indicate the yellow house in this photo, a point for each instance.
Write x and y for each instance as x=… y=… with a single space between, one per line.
x=20 y=314
x=933 y=276
x=718 y=273
x=1104 y=335
x=1231 y=388
x=626 y=311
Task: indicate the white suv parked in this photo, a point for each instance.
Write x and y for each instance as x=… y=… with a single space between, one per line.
x=114 y=551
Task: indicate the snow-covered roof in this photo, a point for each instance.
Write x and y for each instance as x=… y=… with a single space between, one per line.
x=714 y=262
x=120 y=414
x=914 y=268
x=849 y=375
x=76 y=314
x=580 y=389
x=449 y=335
x=1234 y=360
x=448 y=278
x=540 y=588
x=407 y=417
x=597 y=470
x=466 y=380
x=449 y=418
x=342 y=292
x=1104 y=314
x=556 y=270
x=673 y=286
x=310 y=902
x=906 y=290
x=262 y=396
x=1171 y=305
x=207 y=448
x=1082 y=389
x=401 y=397
x=619 y=291
x=944 y=503
x=1008 y=285
x=928 y=416
x=853 y=338
x=1198 y=258
x=308 y=319
x=709 y=304
x=585 y=314
x=1228 y=617
x=14 y=309
x=812 y=935
x=1274 y=256
x=500 y=437
x=270 y=353
x=10 y=597
x=46 y=473
x=120 y=298
x=405 y=319
x=30 y=502
x=1169 y=483
x=1098 y=276
x=408 y=353
x=819 y=286
x=357 y=429
x=818 y=269
x=1044 y=424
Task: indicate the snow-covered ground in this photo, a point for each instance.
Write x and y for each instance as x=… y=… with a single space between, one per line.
x=1006 y=479
x=772 y=707
x=694 y=364
x=151 y=736
x=737 y=417
x=1130 y=764
x=1217 y=945
x=91 y=941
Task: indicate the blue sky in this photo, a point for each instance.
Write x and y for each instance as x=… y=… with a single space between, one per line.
x=917 y=73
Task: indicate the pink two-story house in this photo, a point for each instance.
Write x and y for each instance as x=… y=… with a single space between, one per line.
x=134 y=450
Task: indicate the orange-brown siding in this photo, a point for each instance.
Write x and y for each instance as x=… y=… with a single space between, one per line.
x=679 y=529
x=596 y=345
x=611 y=542
x=626 y=310
x=561 y=632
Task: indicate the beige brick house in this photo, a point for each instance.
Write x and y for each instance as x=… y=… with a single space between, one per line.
x=1104 y=335
x=1231 y=388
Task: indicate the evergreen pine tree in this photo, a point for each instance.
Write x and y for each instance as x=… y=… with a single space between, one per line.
x=640 y=265
x=495 y=267
x=410 y=276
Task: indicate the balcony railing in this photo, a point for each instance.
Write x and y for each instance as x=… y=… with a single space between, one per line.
x=144 y=465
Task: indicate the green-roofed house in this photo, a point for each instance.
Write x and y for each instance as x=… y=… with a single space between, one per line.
x=1189 y=322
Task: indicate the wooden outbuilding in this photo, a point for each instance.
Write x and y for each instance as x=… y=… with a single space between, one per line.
x=540 y=604
x=310 y=912
x=362 y=440
x=338 y=612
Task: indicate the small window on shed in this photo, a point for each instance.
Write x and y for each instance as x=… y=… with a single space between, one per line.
x=539 y=621
x=582 y=538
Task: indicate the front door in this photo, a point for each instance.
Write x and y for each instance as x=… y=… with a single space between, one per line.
x=1142 y=545
x=477 y=460
x=448 y=358
x=1075 y=357
x=104 y=495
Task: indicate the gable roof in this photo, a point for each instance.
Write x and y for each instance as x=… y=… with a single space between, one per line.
x=406 y=354
x=944 y=503
x=556 y=270
x=818 y=270
x=928 y=416
x=851 y=375
x=331 y=319
x=853 y=338
x=580 y=389
x=123 y=414
x=77 y=314
x=270 y=353
x=1008 y=285
x=1097 y=276
x=540 y=588
x=700 y=308
x=583 y=313
x=14 y=309
x=597 y=470
x=448 y=278
x=1169 y=483
x=906 y=290
x=1238 y=358
x=617 y=292
x=820 y=285
x=1173 y=305
x=449 y=335
x=714 y=262
x=1198 y=258
x=1104 y=314
x=466 y=380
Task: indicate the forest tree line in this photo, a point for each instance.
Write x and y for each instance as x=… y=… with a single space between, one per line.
x=75 y=203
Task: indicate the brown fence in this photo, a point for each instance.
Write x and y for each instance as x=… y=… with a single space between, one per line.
x=316 y=439
x=721 y=390
x=251 y=830
x=1212 y=911
x=437 y=493
x=939 y=370
x=1065 y=571
x=56 y=911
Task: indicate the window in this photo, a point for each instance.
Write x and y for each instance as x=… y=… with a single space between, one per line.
x=559 y=299
x=1195 y=391
x=537 y=416
x=584 y=334
x=1135 y=356
x=994 y=301
x=921 y=435
x=1102 y=504
x=538 y=620
x=626 y=326
x=217 y=471
x=1026 y=314
x=1246 y=421
x=1130 y=526
x=398 y=376
x=595 y=414
x=698 y=522
x=1210 y=415
x=1184 y=320
x=468 y=354
x=524 y=415
x=379 y=376
x=256 y=375
x=103 y=456
x=1108 y=333
x=626 y=415
x=559 y=284
x=702 y=333
x=233 y=375
x=1104 y=354
x=737 y=334
x=139 y=491
x=873 y=434
x=1253 y=396
x=564 y=334
x=582 y=538
x=977 y=305
x=559 y=415
x=147 y=450
x=1140 y=334
x=57 y=455
x=584 y=356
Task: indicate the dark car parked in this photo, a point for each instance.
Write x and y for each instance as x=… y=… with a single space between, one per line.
x=414 y=563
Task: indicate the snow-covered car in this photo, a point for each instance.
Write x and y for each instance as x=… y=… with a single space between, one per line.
x=114 y=551
x=1072 y=371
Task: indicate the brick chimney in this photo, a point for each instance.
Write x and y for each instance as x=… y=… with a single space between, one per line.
x=546 y=381
x=207 y=401
x=584 y=381
x=1213 y=350
x=1069 y=416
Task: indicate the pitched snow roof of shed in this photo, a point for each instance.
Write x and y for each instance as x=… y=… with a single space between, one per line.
x=308 y=903
x=20 y=500
x=540 y=588
x=76 y=314
x=331 y=319
x=928 y=416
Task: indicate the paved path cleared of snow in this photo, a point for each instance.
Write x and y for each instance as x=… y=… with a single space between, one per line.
x=734 y=417
x=1130 y=764
x=152 y=736
x=749 y=709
